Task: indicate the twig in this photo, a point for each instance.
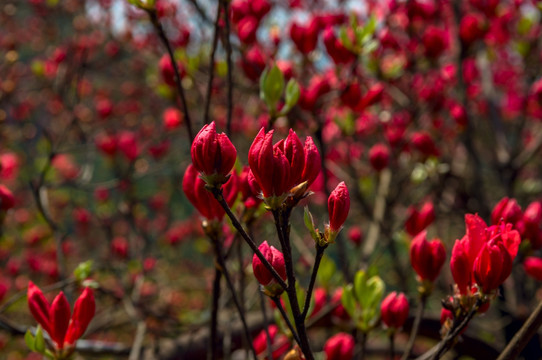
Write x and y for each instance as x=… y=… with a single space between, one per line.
x=160 y=30
x=522 y=337
x=138 y=341
x=217 y=192
x=214 y=314
x=319 y=254
x=225 y=272
x=230 y=67
x=415 y=327
x=277 y=302
x=212 y=68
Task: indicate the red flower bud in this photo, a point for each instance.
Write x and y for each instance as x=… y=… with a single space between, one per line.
x=269 y=165
x=461 y=266
x=351 y=95
x=423 y=142
x=471 y=28
x=83 y=312
x=7 y=200
x=336 y=50
x=492 y=266
x=355 y=235
x=379 y=156
x=313 y=162
x=427 y=257
x=508 y=210
x=59 y=316
x=338 y=206
x=246 y=30
x=275 y=258
x=340 y=347
x=305 y=37
x=168 y=71
x=279 y=342
x=417 y=221
x=253 y=63
x=203 y=200
x=172 y=118
x=435 y=41
x=213 y=153
x=127 y=144
x=55 y=319
x=295 y=153
x=106 y=143
x=394 y=310
x=39 y=306
x=533 y=267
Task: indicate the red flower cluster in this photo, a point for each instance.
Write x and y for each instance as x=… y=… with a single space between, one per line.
x=279 y=167
x=484 y=255
x=63 y=327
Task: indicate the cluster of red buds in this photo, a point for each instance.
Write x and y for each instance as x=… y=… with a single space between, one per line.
x=63 y=327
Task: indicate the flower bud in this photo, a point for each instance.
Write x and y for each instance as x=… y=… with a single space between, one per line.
x=253 y=63
x=39 y=306
x=355 y=235
x=336 y=50
x=275 y=258
x=7 y=200
x=379 y=157
x=340 y=347
x=172 y=118
x=471 y=28
x=203 y=200
x=246 y=30
x=427 y=257
x=295 y=153
x=417 y=221
x=60 y=314
x=461 y=266
x=492 y=266
x=338 y=206
x=305 y=37
x=279 y=342
x=213 y=153
x=269 y=165
x=83 y=312
x=435 y=41
x=508 y=210
x=313 y=162
x=394 y=310
x=533 y=267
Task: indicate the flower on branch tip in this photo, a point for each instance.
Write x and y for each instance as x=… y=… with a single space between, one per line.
x=56 y=319
x=213 y=154
x=340 y=347
x=264 y=276
x=338 y=205
x=427 y=257
x=279 y=168
x=394 y=310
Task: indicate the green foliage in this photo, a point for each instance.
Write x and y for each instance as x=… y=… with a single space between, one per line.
x=362 y=300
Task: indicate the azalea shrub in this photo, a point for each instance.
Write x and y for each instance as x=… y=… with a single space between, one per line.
x=260 y=179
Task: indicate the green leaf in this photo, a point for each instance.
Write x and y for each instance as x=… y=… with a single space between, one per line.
x=309 y=223
x=292 y=93
x=271 y=87
x=327 y=273
x=39 y=342
x=348 y=300
x=359 y=284
x=29 y=340
x=83 y=270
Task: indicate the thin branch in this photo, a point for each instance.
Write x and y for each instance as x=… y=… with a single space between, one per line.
x=277 y=302
x=415 y=327
x=212 y=68
x=319 y=254
x=217 y=192
x=161 y=33
x=230 y=67
x=522 y=337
